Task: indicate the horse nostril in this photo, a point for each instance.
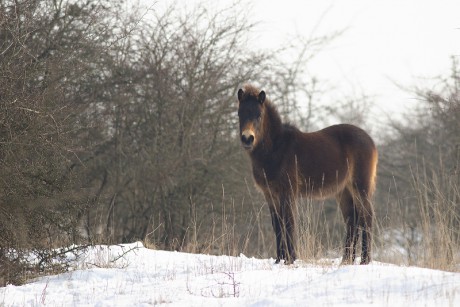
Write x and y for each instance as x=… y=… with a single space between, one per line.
x=247 y=140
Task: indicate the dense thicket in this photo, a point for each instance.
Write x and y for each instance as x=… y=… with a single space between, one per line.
x=52 y=60
x=118 y=124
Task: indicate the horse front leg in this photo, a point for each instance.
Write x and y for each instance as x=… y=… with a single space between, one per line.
x=276 y=223
x=288 y=230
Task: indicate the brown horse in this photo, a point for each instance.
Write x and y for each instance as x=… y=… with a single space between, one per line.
x=339 y=161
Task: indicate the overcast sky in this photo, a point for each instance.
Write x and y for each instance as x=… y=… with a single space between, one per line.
x=386 y=42
x=405 y=42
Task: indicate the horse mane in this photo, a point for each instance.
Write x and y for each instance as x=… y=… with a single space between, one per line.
x=250 y=90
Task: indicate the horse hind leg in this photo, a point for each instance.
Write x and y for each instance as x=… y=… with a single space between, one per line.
x=365 y=186
x=351 y=218
x=366 y=225
x=366 y=216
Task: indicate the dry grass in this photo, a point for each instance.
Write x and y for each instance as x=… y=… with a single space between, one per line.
x=423 y=232
x=439 y=199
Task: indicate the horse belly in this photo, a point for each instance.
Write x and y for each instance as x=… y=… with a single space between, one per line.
x=324 y=176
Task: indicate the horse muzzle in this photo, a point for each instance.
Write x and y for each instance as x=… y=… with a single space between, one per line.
x=247 y=139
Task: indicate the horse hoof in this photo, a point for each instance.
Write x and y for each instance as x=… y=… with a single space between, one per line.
x=289 y=261
x=277 y=261
x=346 y=262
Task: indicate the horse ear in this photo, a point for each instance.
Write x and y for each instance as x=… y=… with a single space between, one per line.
x=261 y=97
x=240 y=95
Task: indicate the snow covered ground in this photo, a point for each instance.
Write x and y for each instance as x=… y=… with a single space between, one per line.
x=131 y=275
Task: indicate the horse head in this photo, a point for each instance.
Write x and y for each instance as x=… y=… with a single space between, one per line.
x=251 y=116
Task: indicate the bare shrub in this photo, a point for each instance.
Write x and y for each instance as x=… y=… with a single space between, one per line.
x=420 y=181
x=51 y=55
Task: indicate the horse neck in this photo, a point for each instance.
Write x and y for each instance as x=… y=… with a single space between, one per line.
x=272 y=129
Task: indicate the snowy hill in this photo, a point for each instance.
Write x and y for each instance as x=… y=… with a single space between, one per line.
x=131 y=275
